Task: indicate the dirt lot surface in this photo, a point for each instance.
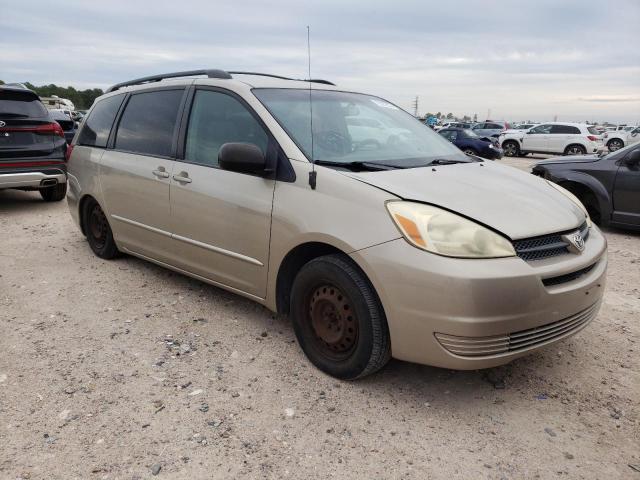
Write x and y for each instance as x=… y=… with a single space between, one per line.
x=123 y=370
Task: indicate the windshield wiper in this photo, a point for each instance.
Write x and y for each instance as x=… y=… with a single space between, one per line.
x=372 y=166
x=444 y=161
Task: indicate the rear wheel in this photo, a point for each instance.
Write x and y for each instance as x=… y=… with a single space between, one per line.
x=338 y=319
x=511 y=148
x=615 y=144
x=470 y=151
x=54 y=193
x=575 y=150
x=98 y=231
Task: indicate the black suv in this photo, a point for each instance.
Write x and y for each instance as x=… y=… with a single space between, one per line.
x=607 y=185
x=32 y=145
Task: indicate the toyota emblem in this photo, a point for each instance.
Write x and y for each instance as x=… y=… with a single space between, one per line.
x=577 y=241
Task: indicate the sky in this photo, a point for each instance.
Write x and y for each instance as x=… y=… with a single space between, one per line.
x=575 y=60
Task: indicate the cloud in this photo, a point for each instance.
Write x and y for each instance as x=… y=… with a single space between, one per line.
x=519 y=59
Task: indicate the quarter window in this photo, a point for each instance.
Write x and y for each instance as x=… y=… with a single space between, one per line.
x=565 y=129
x=217 y=118
x=148 y=123
x=97 y=126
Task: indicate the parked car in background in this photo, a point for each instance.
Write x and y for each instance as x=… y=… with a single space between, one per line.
x=490 y=128
x=608 y=186
x=32 y=145
x=371 y=253
x=68 y=125
x=372 y=132
x=471 y=144
x=615 y=140
x=453 y=125
x=552 y=137
x=54 y=102
x=523 y=126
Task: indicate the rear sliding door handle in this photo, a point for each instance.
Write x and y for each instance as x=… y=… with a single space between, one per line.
x=161 y=172
x=182 y=177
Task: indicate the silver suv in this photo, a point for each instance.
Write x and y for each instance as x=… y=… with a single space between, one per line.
x=380 y=241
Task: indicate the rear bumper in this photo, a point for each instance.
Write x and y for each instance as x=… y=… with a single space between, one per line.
x=471 y=314
x=32 y=179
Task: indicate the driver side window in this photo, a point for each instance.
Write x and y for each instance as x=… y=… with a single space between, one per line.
x=215 y=119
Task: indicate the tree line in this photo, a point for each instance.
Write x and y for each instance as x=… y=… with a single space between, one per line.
x=82 y=99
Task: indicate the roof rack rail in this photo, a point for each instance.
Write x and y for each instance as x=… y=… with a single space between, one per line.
x=211 y=73
x=312 y=80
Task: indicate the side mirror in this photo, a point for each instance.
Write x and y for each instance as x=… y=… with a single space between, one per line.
x=242 y=157
x=633 y=159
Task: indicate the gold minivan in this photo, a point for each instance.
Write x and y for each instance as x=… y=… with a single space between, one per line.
x=378 y=237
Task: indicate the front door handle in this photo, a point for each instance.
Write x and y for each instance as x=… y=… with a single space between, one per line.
x=182 y=177
x=161 y=172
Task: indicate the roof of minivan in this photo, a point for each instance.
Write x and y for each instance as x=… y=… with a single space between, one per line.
x=237 y=80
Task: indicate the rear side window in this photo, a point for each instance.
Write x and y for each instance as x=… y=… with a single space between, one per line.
x=16 y=104
x=97 y=126
x=593 y=131
x=566 y=129
x=216 y=119
x=148 y=123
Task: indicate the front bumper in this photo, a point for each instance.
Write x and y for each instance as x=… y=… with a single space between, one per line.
x=476 y=301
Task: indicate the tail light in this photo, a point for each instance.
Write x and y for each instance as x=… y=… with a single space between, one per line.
x=592 y=138
x=67 y=154
x=46 y=129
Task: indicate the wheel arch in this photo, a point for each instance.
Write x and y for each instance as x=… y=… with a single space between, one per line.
x=581 y=184
x=295 y=259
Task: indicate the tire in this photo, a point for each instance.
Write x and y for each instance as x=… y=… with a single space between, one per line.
x=575 y=149
x=338 y=319
x=615 y=144
x=98 y=231
x=470 y=151
x=55 y=193
x=511 y=148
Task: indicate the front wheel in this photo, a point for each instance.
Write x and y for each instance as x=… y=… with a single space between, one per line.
x=470 y=151
x=511 y=149
x=338 y=319
x=54 y=193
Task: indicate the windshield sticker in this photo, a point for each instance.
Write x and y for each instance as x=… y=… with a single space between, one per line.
x=384 y=104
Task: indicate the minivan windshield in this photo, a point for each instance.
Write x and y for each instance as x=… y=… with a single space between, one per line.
x=357 y=129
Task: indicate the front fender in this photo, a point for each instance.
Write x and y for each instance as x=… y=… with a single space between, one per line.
x=599 y=191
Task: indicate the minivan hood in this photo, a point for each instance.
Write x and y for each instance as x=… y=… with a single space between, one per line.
x=513 y=202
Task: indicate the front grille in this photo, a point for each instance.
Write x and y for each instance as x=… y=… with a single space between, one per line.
x=548 y=282
x=545 y=246
x=517 y=341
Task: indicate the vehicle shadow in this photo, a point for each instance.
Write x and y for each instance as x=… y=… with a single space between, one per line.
x=20 y=201
x=420 y=383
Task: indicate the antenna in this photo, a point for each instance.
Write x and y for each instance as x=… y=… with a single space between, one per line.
x=312 y=173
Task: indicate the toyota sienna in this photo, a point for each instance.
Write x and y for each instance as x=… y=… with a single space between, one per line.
x=378 y=242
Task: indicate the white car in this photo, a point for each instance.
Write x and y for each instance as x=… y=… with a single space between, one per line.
x=621 y=138
x=552 y=137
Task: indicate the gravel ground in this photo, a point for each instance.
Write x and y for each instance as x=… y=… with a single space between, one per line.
x=123 y=370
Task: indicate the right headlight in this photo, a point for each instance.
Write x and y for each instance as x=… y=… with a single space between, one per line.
x=440 y=231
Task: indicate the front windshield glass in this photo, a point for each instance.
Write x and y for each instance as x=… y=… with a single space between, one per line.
x=351 y=127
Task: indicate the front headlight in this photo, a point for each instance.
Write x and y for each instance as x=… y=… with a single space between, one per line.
x=445 y=233
x=573 y=198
